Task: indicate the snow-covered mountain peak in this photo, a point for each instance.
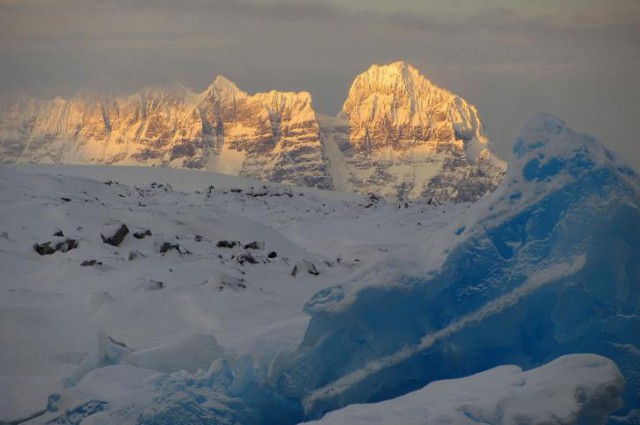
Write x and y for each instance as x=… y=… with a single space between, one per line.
x=222 y=83
x=394 y=78
x=398 y=135
x=398 y=95
x=407 y=137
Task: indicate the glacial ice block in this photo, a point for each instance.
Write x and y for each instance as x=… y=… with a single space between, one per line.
x=547 y=265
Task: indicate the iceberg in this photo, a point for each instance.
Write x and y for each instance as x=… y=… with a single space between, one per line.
x=547 y=265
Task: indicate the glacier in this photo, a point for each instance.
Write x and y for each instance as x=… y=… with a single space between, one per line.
x=546 y=266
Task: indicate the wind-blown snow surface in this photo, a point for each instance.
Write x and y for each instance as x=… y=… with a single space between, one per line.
x=545 y=266
x=163 y=306
x=578 y=388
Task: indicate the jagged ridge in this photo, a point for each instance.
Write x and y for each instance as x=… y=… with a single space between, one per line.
x=398 y=135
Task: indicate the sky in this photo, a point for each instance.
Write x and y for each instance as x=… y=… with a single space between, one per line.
x=578 y=59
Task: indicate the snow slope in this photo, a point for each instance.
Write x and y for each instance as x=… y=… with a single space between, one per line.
x=578 y=388
x=53 y=309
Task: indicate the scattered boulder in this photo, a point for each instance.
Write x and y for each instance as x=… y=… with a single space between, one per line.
x=113 y=233
x=246 y=258
x=133 y=254
x=87 y=263
x=272 y=255
x=226 y=244
x=48 y=248
x=168 y=246
x=59 y=233
x=304 y=266
x=373 y=200
x=142 y=234
x=155 y=285
x=225 y=281
x=197 y=238
x=66 y=199
x=255 y=245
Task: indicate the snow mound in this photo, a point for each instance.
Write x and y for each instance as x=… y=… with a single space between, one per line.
x=578 y=388
x=190 y=354
x=549 y=264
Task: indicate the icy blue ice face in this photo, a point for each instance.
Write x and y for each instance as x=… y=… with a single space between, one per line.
x=548 y=265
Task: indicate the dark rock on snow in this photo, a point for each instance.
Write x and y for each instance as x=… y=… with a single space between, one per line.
x=226 y=244
x=247 y=258
x=303 y=266
x=48 y=248
x=254 y=245
x=168 y=246
x=113 y=233
x=91 y=263
x=142 y=234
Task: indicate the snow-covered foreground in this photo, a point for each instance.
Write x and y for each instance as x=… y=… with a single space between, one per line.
x=52 y=307
x=251 y=304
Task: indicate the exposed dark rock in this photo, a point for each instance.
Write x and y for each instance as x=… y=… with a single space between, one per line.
x=168 y=246
x=226 y=244
x=254 y=245
x=142 y=234
x=303 y=266
x=91 y=263
x=58 y=233
x=373 y=199
x=66 y=199
x=272 y=254
x=155 y=285
x=113 y=233
x=133 y=254
x=48 y=248
x=197 y=238
x=246 y=258
x=233 y=283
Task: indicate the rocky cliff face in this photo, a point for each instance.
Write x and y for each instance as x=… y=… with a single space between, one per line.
x=398 y=135
x=270 y=136
x=401 y=135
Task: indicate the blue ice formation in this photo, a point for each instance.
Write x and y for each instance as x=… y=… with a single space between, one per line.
x=547 y=265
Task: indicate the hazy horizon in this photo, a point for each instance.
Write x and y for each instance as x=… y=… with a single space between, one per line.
x=577 y=59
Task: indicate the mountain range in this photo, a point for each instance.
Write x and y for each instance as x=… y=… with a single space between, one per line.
x=398 y=135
